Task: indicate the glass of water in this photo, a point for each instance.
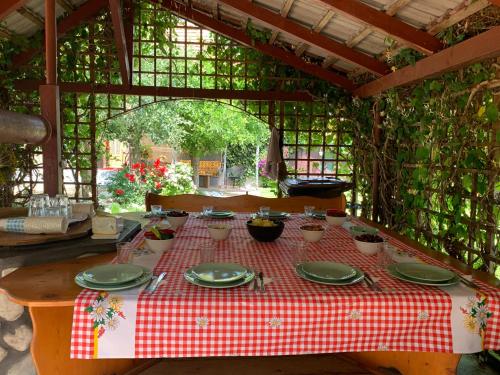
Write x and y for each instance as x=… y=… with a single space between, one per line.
x=300 y=252
x=207 y=253
x=207 y=210
x=308 y=211
x=264 y=212
x=124 y=252
x=156 y=209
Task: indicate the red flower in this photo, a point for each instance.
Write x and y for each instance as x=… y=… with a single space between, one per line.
x=162 y=170
x=130 y=177
x=136 y=165
x=119 y=192
x=157 y=163
x=158 y=185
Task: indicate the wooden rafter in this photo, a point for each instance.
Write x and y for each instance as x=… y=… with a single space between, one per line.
x=66 y=5
x=457 y=14
x=120 y=40
x=480 y=47
x=305 y=35
x=399 y=30
x=86 y=11
x=320 y=25
x=31 y=15
x=9 y=6
x=241 y=37
x=285 y=9
x=173 y=92
x=392 y=8
x=4 y=32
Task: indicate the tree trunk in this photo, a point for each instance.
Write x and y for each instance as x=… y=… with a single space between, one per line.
x=195 y=163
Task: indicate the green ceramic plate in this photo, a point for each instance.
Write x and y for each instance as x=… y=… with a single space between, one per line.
x=328 y=270
x=278 y=215
x=219 y=272
x=221 y=214
x=424 y=272
x=359 y=276
x=112 y=273
x=391 y=269
x=144 y=278
x=191 y=277
x=357 y=230
x=319 y=215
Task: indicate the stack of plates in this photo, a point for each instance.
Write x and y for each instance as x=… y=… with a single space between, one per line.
x=329 y=273
x=112 y=277
x=424 y=274
x=278 y=215
x=221 y=214
x=219 y=275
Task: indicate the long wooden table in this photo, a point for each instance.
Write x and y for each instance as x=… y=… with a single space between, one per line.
x=49 y=292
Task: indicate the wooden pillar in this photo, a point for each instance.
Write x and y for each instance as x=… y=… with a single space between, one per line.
x=375 y=168
x=49 y=103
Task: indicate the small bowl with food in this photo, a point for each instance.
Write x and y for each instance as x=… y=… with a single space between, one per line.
x=177 y=218
x=335 y=216
x=369 y=244
x=312 y=232
x=265 y=230
x=219 y=232
x=159 y=240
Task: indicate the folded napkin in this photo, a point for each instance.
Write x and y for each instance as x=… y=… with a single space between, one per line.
x=106 y=225
x=34 y=225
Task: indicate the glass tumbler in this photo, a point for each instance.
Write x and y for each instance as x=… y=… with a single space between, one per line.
x=300 y=252
x=207 y=210
x=156 y=209
x=264 y=212
x=308 y=211
x=124 y=252
x=207 y=253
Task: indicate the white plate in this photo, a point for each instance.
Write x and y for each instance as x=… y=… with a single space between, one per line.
x=145 y=277
x=219 y=272
x=191 y=278
x=356 y=279
x=76 y=218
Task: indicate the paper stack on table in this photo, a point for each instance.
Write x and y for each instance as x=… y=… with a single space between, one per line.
x=106 y=227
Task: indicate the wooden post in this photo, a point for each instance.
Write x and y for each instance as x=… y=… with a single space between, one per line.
x=49 y=103
x=375 y=168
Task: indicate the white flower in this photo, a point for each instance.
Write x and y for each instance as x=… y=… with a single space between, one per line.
x=275 y=322
x=202 y=321
x=423 y=315
x=481 y=315
x=355 y=314
x=99 y=309
x=112 y=323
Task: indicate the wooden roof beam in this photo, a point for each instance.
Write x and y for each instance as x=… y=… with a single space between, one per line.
x=32 y=16
x=120 y=40
x=480 y=47
x=285 y=9
x=174 y=92
x=9 y=6
x=305 y=35
x=86 y=11
x=399 y=30
x=320 y=25
x=241 y=37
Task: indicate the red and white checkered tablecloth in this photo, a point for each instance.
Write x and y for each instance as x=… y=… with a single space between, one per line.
x=293 y=316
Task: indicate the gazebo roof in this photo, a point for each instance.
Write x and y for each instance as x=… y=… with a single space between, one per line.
x=335 y=40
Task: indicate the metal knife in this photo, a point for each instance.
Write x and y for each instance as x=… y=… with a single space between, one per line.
x=262 y=286
x=154 y=284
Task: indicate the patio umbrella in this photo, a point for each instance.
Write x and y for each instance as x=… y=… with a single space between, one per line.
x=273 y=155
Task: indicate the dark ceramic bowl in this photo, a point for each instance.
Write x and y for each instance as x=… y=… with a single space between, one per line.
x=266 y=234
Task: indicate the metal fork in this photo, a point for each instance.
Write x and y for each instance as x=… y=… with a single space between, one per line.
x=372 y=284
x=262 y=286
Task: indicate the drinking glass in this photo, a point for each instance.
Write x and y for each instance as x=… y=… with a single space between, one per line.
x=264 y=212
x=36 y=205
x=124 y=252
x=156 y=209
x=384 y=256
x=308 y=211
x=207 y=210
x=300 y=252
x=63 y=203
x=207 y=253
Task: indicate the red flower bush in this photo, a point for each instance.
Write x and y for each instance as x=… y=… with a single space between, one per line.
x=119 y=192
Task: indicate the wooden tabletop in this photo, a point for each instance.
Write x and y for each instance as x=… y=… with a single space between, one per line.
x=52 y=284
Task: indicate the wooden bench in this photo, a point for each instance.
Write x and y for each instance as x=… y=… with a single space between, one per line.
x=243 y=203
